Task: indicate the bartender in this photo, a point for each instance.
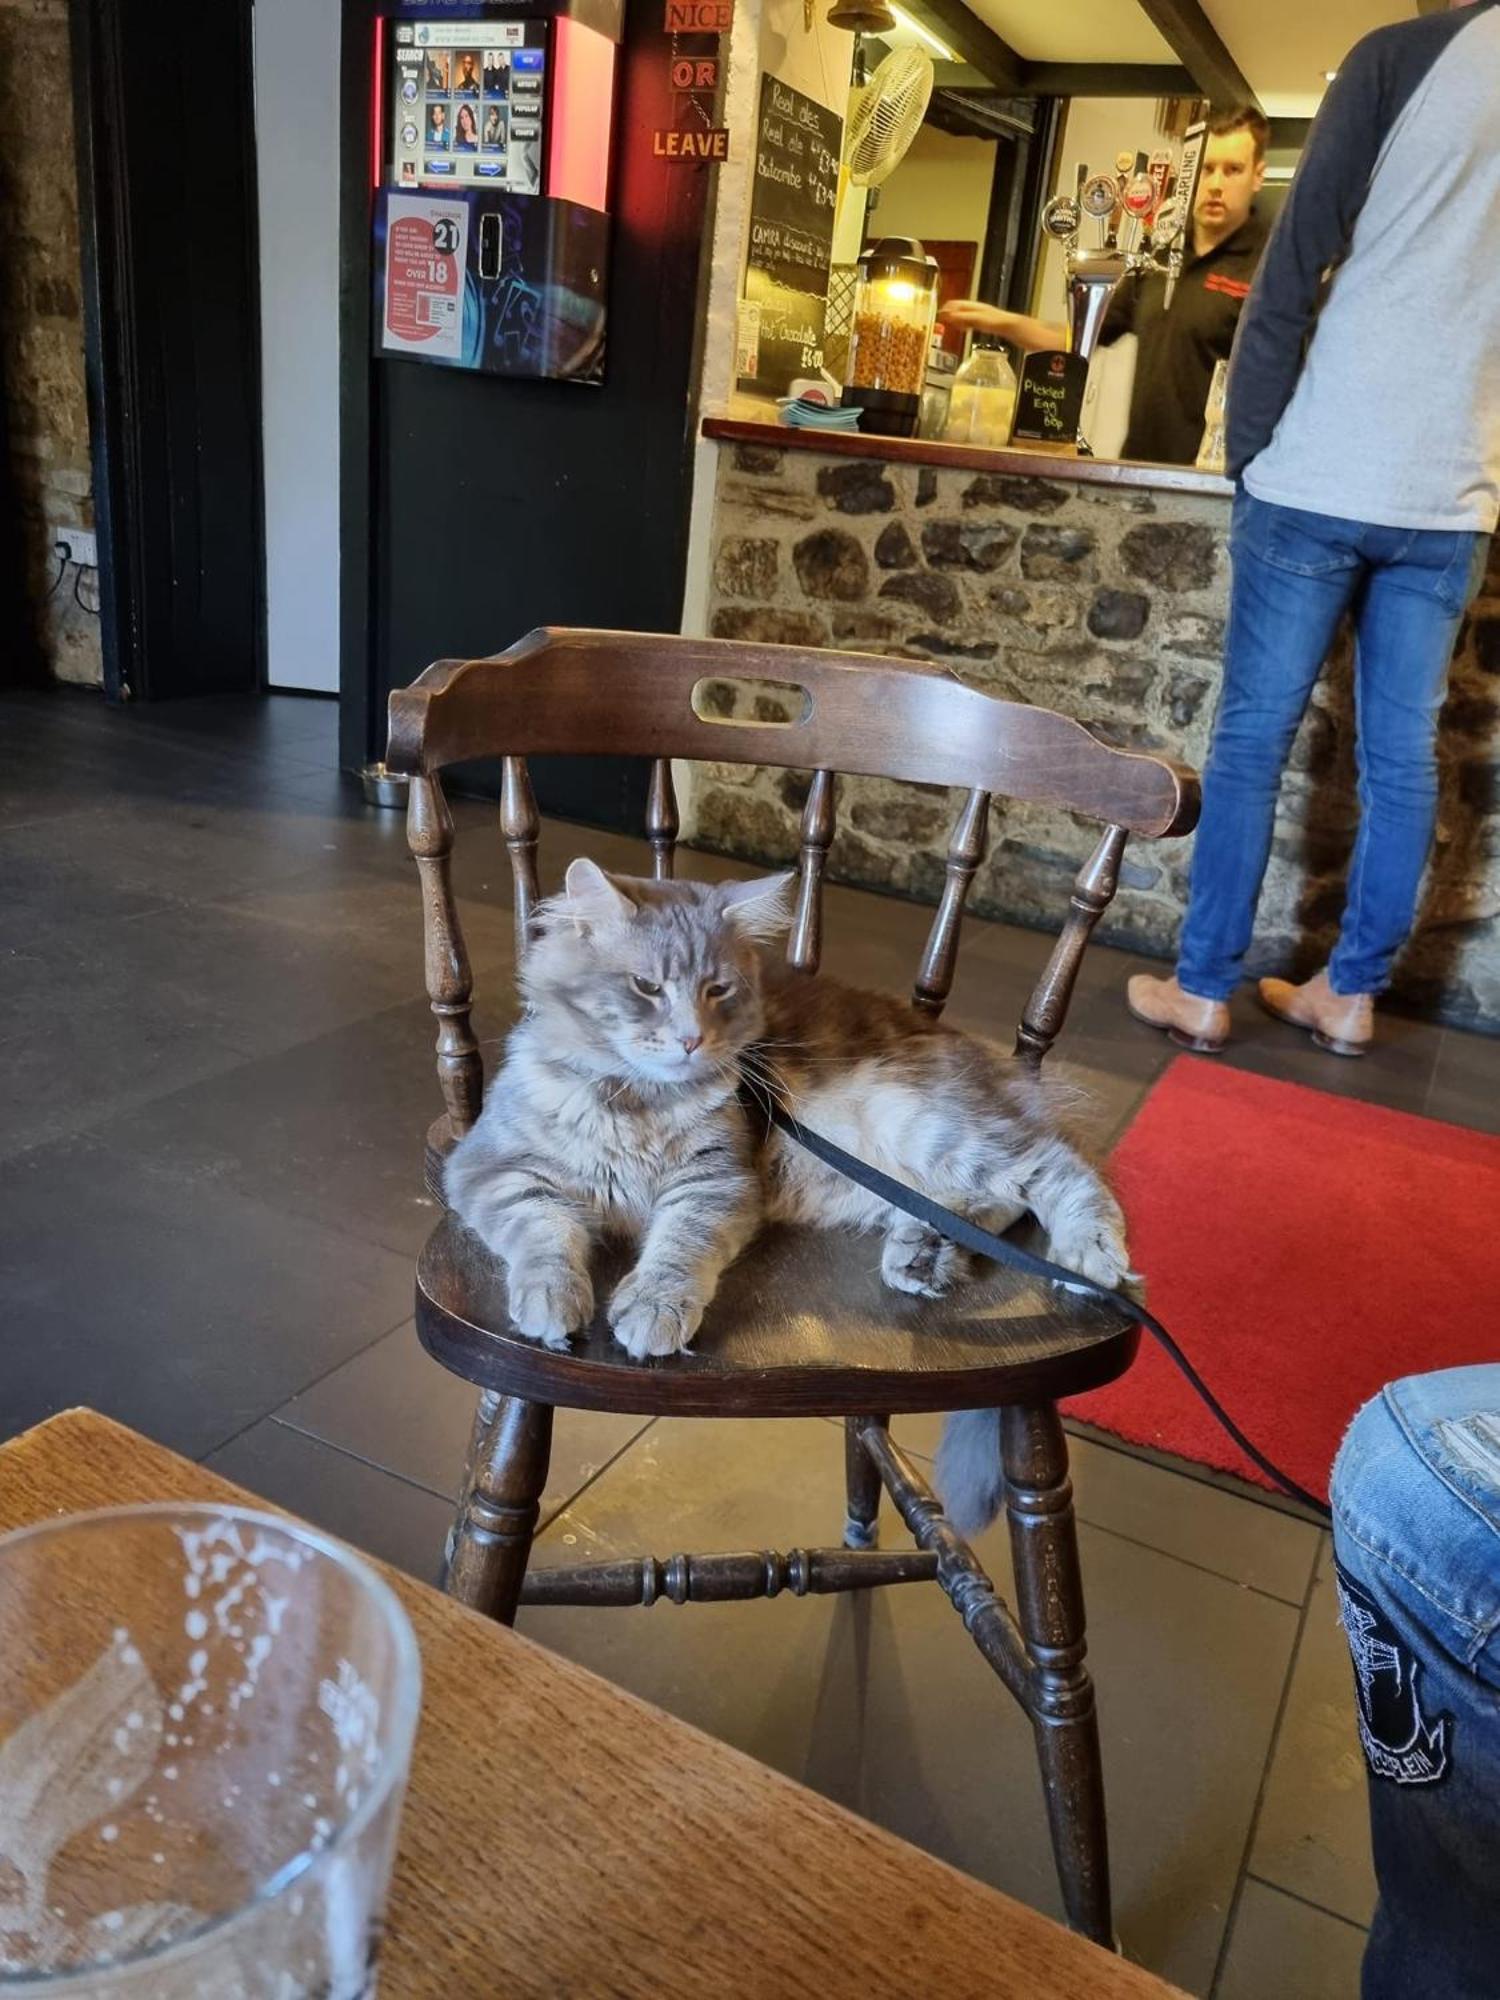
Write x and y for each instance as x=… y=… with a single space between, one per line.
x=1177 y=349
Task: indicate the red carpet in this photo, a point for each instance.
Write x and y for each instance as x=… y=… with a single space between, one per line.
x=1303 y=1249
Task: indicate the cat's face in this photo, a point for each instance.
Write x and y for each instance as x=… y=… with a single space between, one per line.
x=658 y=981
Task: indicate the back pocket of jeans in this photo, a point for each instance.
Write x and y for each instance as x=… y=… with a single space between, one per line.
x=1459 y=583
x=1308 y=544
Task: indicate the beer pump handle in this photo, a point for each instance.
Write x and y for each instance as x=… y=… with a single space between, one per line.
x=1186 y=192
x=1137 y=200
x=1113 y=236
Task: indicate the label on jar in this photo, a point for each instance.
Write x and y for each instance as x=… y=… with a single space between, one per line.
x=1049 y=402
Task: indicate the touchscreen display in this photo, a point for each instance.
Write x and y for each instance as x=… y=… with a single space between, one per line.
x=467 y=103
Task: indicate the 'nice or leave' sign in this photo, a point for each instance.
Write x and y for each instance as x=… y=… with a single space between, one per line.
x=707 y=143
x=699 y=17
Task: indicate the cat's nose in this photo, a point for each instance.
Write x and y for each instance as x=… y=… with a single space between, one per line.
x=691 y=1043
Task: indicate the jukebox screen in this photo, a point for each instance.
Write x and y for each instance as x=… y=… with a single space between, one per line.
x=468 y=103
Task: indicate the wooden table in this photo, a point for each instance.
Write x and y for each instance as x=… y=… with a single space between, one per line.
x=561 y=1838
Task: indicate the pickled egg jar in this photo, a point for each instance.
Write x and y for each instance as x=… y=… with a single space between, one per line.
x=895 y=305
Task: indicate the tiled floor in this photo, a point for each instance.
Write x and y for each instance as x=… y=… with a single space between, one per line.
x=215 y=1074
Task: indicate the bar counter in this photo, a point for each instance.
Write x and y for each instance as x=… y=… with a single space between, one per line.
x=1017 y=459
x=1100 y=589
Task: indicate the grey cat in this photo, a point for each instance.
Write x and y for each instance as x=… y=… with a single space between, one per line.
x=617 y=1111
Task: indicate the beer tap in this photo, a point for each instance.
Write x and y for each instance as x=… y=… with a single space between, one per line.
x=1150 y=234
x=1150 y=237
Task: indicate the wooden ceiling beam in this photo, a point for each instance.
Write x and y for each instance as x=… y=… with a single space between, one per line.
x=958 y=76
x=1049 y=79
x=1197 y=45
x=974 y=43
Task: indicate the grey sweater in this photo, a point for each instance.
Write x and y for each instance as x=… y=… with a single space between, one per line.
x=1384 y=406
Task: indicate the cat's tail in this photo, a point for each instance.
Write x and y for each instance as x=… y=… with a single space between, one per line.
x=970 y=1481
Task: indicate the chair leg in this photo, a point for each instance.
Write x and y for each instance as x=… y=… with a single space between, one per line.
x=499 y=1504
x=1049 y=1601
x=862 y=1485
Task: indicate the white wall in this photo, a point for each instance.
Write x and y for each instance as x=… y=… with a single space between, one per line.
x=767 y=38
x=940 y=193
x=297 y=66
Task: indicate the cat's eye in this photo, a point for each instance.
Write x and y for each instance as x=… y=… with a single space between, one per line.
x=647 y=988
x=719 y=990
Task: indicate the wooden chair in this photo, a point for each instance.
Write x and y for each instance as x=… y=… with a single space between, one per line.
x=801 y=1325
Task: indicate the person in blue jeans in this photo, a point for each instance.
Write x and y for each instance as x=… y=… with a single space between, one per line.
x=1416 y=1541
x=1363 y=434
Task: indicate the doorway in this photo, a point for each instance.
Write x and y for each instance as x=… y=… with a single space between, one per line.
x=297 y=144
x=166 y=167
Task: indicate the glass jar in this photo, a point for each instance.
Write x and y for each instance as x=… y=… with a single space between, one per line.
x=936 y=387
x=895 y=305
x=982 y=407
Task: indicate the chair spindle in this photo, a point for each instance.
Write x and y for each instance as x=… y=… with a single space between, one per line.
x=805 y=946
x=1093 y=890
x=662 y=821
x=450 y=984
x=966 y=849
x=520 y=825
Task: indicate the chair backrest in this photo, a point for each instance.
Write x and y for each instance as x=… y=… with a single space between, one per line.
x=582 y=693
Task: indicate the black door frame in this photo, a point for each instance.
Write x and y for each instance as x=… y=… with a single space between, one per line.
x=361 y=725
x=112 y=312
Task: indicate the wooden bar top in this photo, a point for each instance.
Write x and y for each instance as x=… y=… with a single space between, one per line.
x=561 y=1838
x=1019 y=462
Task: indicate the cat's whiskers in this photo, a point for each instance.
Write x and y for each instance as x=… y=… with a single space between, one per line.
x=762 y=1070
x=760 y=1092
x=819 y=1067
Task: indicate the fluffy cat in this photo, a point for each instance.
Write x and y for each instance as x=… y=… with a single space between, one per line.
x=618 y=1110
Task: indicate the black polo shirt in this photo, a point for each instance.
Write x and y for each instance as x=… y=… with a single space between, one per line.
x=1178 y=349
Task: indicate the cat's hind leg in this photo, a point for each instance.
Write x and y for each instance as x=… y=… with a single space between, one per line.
x=916 y=1259
x=1072 y=1201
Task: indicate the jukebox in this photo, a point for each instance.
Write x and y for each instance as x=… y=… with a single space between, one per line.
x=492 y=134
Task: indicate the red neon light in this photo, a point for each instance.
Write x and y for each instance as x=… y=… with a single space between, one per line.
x=377 y=105
x=583 y=110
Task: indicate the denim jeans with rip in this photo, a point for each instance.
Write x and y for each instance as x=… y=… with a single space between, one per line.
x=1416 y=1537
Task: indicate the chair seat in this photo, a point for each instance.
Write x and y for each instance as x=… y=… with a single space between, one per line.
x=801 y=1326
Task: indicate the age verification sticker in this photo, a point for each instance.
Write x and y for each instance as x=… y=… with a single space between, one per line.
x=427 y=241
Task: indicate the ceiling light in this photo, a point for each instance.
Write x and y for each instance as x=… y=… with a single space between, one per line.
x=940 y=49
x=1329 y=75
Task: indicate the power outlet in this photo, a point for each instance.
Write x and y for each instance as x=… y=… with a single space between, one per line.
x=82 y=545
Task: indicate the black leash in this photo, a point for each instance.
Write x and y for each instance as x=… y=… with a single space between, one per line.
x=971 y=1237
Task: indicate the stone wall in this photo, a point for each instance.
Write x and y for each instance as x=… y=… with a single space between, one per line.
x=1108 y=604
x=46 y=470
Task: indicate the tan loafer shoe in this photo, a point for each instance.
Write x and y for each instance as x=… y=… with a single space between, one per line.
x=1200 y=1025
x=1342 y=1023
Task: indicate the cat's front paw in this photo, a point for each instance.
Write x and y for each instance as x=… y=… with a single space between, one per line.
x=548 y=1305
x=648 y=1322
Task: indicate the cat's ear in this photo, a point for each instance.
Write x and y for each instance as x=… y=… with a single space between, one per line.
x=592 y=898
x=758 y=909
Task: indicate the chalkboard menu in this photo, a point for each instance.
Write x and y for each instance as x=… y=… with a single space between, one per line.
x=1050 y=400
x=792 y=201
